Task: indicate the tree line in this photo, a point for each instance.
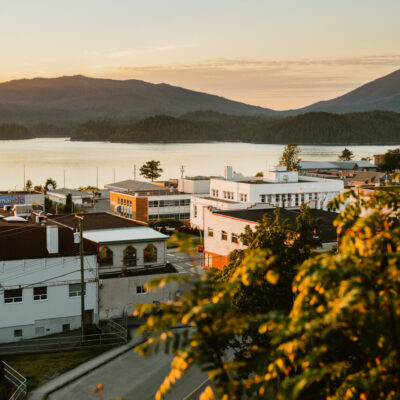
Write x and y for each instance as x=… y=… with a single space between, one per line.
x=372 y=127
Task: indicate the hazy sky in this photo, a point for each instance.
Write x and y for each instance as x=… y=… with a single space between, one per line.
x=274 y=53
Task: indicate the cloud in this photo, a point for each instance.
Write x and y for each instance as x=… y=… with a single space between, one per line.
x=154 y=49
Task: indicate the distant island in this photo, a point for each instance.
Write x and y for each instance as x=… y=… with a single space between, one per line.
x=373 y=127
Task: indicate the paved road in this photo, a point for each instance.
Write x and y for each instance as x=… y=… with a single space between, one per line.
x=184 y=263
x=132 y=377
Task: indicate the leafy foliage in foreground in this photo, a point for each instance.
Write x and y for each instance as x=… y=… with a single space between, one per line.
x=340 y=339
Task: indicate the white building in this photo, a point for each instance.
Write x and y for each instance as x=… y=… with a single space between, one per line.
x=40 y=282
x=79 y=197
x=130 y=254
x=223 y=230
x=276 y=188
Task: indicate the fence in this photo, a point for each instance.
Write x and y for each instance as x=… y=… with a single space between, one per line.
x=115 y=335
x=17 y=380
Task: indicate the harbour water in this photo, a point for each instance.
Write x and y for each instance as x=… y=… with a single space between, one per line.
x=85 y=163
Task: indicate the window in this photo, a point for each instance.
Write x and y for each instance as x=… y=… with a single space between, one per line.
x=235 y=238
x=66 y=328
x=215 y=192
x=296 y=199
x=210 y=232
x=106 y=257
x=277 y=200
x=13 y=296
x=262 y=198
x=269 y=199
x=228 y=195
x=195 y=211
x=130 y=256
x=141 y=289
x=302 y=198
x=40 y=293
x=75 y=289
x=224 y=235
x=150 y=253
x=17 y=332
x=243 y=197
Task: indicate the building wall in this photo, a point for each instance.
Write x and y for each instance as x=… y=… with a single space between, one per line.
x=216 y=250
x=58 y=309
x=118 y=255
x=194 y=186
x=129 y=206
x=8 y=199
x=119 y=295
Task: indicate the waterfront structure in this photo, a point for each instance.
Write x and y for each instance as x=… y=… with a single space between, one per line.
x=276 y=188
x=144 y=201
x=223 y=229
x=40 y=281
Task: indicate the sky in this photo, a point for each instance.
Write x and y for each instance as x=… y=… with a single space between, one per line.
x=279 y=54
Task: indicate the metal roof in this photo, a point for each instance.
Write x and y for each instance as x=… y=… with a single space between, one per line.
x=134 y=186
x=124 y=235
x=335 y=164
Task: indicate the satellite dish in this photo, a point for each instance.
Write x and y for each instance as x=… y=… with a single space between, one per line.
x=50 y=186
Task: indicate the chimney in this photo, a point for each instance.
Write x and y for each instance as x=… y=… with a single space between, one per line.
x=52 y=239
x=228 y=172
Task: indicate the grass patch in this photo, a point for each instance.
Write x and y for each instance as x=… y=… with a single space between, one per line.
x=41 y=368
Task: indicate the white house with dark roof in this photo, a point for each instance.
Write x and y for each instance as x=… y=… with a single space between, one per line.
x=40 y=282
x=129 y=254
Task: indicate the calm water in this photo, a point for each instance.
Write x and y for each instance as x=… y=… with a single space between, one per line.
x=45 y=158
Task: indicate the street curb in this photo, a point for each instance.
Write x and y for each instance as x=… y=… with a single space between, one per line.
x=37 y=395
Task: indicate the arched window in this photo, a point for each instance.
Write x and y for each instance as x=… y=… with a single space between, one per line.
x=106 y=257
x=130 y=257
x=150 y=253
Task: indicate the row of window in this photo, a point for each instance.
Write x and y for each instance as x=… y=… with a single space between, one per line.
x=124 y=202
x=298 y=198
x=39 y=293
x=181 y=216
x=227 y=195
x=169 y=203
x=129 y=256
x=224 y=235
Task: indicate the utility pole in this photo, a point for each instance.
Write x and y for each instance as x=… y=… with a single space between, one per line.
x=134 y=172
x=97 y=178
x=182 y=170
x=82 y=275
x=114 y=175
x=24 y=179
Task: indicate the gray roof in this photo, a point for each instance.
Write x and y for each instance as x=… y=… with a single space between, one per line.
x=131 y=185
x=74 y=192
x=335 y=164
x=365 y=176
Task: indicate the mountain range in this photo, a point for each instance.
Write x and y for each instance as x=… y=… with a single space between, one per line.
x=72 y=99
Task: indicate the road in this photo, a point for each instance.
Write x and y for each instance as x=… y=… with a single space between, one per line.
x=184 y=263
x=132 y=377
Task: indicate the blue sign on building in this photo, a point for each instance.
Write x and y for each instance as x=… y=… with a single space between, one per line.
x=8 y=199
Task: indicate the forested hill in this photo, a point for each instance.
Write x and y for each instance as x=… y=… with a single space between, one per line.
x=375 y=127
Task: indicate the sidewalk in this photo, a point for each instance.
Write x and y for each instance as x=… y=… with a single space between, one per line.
x=42 y=392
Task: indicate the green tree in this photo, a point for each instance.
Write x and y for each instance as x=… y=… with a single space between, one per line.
x=151 y=170
x=69 y=207
x=290 y=157
x=390 y=160
x=28 y=185
x=52 y=182
x=369 y=159
x=347 y=155
x=340 y=339
x=38 y=188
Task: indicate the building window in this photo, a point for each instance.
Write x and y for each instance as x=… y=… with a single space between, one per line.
x=40 y=293
x=141 y=289
x=130 y=256
x=277 y=200
x=66 y=328
x=195 y=211
x=269 y=199
x=262 y=198
x=106 y=257
x=243 y=197
x=215 y=193
x=17 y=332
x=302 y=198
x=224 y=235
x=13 y=296
x=235 y=238
x=210 y=232
x=296 y=199
x=150 y=253
x=75 y=289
